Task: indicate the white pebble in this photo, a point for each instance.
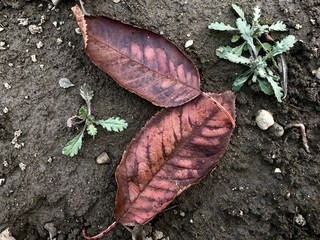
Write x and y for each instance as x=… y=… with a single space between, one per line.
x=103 y=158
x=188 y=43
x=33 y=58
x=40 y=44
x=317 y=73
x=116 y=1
x=5 y=110
x=264 y=119
x=23 y=21
x=59 y=41
x=300 y=220
x=2 y=181
x=277 y=170
x=51 y=229
x=157 y=235
x=182 y=214
x=6 y=235
x=1 y=29
x=7 y=85
x=33 y=29
x=5 y=164
x=10 y=64
x=298 y=26
x=77 y=30
x=65 y=83
x=22 y=166
x=55 y=23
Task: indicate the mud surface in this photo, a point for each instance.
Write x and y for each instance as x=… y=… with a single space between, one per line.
x=243 y=198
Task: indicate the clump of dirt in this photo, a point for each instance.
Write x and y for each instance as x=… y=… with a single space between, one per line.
x=244 y=198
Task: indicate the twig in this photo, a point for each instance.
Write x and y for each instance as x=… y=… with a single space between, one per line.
x=303 y=134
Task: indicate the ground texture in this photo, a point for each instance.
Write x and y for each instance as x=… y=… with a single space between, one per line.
x=243 y=198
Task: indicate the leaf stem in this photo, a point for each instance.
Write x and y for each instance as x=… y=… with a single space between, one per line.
x=100 y=235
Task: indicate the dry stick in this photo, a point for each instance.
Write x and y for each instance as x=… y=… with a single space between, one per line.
x=303 y=134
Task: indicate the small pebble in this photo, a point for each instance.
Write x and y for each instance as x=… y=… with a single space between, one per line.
x=2 y=46
x=10 y=64
x=5 y=110
x=277 y=170
x=55 y=23
x=5 y=164
x=40 y=44
x=33 y=29
x=182 y=214
x=188 y=43
x=264 y=119
x=6 y=235
x=298 y=26
x=1 y=29
x=116 y=1
x=59 y=41
x=7 y=85
x=157 y=235
x=317 y=73
x=277 y=130
x=33 y=58
x=2 y=181
x=191 y=221
x=103 y=158
x=22 y=166
x=77 y=30
x=41 y=66
x=65 y=83
x=313 y=22
x=300 y=220
x=23 y=21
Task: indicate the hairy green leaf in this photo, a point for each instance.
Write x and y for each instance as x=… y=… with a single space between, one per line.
x=239 y=11
x=227 y=53
x=283 y=46
x=277 y=90
x=239 y=49
x=278 y=26
x=86 y=92
x=241 y=80
x=72 y=147
x=265 y=87
x=83 y=112
x=113 y=124
x=92 y=130
x=256 y=14
x=221 y=27
x=245 y=31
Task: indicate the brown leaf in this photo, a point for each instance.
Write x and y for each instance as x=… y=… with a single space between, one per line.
x=175 y=149
x=141 y=61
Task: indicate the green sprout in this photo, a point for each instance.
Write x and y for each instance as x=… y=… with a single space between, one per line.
x=86 y=118
x=259 y=62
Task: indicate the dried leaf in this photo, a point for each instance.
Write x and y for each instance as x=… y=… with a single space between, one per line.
x=65 y=83
x=175 y=150
x=141 y=61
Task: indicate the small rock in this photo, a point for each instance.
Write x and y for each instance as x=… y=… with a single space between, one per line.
x=55 y=23
x=7 y=85
x=6 y=235
x=59 y=41
x=116 y=1
x=298 y=26
x=22 y=166
x=264 y=119
x=277 y=130
x=317 y=73
x=191 y=221
x=23 y=21
x=33 y=29
x=157 y=235
x=313 y=22
x=5 y=110
x=277 y=170
x=55 y=2
x=2 y=46
x=103 y=158
x=5 y=164
x=33 y=58
x=182 y=214
x=2 y=181
x=78 y=31
x=51 y=229
x=300 y=220
x=10 y=64
x=188 y=43
x=40 y=44
x=1 y=29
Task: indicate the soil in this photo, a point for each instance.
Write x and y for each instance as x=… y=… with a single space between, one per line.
x=243 y=198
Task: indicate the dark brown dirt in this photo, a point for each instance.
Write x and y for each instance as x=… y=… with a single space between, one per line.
x=241 y=199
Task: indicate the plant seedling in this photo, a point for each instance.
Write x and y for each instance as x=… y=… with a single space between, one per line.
x=90 y=124
x=258 y=61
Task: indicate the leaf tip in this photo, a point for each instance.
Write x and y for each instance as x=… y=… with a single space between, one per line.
x=81 y=23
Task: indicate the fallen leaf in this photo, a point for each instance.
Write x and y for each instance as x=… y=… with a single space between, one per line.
x=141 y=61
x=173 y=151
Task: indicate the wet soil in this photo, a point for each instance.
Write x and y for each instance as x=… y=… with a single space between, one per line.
x=243 y=198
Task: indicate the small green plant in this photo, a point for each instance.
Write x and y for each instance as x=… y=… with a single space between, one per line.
x=86 y=118
x=259 y=62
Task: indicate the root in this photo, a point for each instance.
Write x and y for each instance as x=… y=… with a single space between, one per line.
x=303 y=134
x=100 y=235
